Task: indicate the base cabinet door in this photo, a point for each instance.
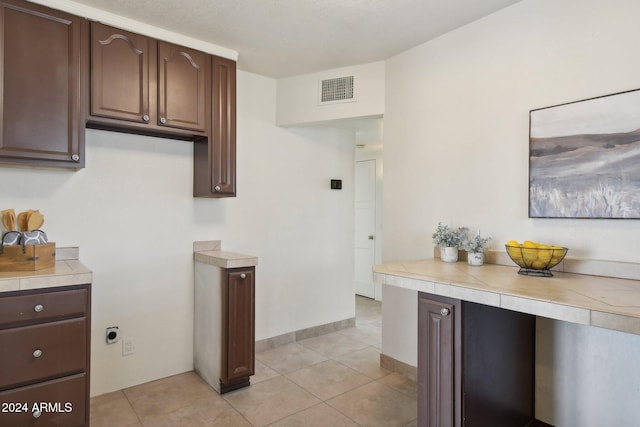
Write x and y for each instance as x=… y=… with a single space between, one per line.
x=436 y=363
x=476 y=365
x=240 y=332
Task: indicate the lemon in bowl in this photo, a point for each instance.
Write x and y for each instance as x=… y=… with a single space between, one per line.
x=535 y=259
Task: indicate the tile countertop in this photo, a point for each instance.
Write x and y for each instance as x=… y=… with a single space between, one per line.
x=66 y=272
x=589 y=300
x=210 y=252
x=225 y=259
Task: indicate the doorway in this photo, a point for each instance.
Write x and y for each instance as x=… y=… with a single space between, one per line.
x=365 y=227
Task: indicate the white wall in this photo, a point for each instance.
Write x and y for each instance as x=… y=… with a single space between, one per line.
x=132 y=214
x=456 y=150
x=297 y=96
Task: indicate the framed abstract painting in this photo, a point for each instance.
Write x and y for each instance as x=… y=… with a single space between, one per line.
x=584 y=158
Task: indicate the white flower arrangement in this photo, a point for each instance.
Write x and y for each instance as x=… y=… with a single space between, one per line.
x=445 y=236
x=476 y=244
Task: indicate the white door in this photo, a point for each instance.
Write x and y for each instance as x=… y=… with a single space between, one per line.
x=365 y=225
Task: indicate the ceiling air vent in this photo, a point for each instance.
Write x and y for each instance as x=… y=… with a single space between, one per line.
x=341 y=89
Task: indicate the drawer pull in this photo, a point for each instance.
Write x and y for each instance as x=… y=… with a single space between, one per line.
x=444 y=311
x=38 y=308
x=37 y=353
x=243 y=276
x=37 y=413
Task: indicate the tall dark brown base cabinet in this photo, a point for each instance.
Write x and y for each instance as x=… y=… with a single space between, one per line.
x=476 y=365
x=224 y=325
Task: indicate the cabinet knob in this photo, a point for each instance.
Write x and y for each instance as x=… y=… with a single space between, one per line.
x=146 y=118
x=75 y=157
x=444 y=311
x=37 y=413
x=243 y=276
x=163 y=120
x=38 y=308
x=217 y=188
x=37 y=353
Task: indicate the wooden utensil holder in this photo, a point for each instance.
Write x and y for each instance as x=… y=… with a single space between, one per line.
x=28 y=258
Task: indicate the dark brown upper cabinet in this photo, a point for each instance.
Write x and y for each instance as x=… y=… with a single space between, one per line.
x=142 y=85
x=214 y=163
x=183 y=87
x=41 y=52
x=120 y=76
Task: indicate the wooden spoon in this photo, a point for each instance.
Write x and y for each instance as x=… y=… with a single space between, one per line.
x=8 y=219
x=34 y=220
x=22 y=221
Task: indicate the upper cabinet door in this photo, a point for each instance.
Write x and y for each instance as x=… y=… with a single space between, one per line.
x=183 y=87
x=223 y=134
x=120 y=75
x=40 y=71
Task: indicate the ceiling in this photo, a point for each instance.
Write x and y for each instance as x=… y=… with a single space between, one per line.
x=279 y=38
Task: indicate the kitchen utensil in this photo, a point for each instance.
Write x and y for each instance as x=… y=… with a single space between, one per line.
x=22 y=221
x=34 y=220
x=8 y=219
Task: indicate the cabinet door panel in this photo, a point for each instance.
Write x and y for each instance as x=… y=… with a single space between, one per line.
x=240 y=303
x=61 y=346
x=183 y=86
x=62 y=403
x=41 y=85
x=223 y=132
x=120 y=73
x=42 y=306
x=436 y=388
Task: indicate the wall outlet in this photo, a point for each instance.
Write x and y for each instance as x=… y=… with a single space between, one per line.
x=112 y=335
x=128 y=347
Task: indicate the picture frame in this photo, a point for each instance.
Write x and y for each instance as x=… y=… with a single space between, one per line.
x=584 y=158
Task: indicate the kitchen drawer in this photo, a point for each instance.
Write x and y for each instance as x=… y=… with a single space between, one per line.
x=42 y=306
x=62 y=403
x=43 y=351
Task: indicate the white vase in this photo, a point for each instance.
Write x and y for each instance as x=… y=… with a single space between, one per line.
x=449 y=254
x=475 y=258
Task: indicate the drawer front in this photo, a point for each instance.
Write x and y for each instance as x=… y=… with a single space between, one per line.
x=42 y=306
x=43 y=351
x=57 y=403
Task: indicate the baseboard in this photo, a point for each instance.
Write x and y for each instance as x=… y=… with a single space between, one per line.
x=394 y=365
x=302 y=334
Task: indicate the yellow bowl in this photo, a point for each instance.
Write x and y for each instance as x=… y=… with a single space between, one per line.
x=536 y=261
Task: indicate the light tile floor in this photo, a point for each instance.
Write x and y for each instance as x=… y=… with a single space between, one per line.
x=333 y=380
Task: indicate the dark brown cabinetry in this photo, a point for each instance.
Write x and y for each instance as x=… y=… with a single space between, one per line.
x=141 y=84
x=224 y=325
x=44 y=357
x=61 y=73
x=475 y=365
x=215 y=159
x=40 y=118
x=238 y=328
